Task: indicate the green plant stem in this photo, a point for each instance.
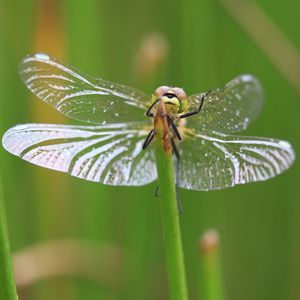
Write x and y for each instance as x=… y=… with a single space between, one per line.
x=211 y=287
x=7 y=282
x=169 y=212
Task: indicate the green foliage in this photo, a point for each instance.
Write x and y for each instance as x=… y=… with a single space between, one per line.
x=8 y=288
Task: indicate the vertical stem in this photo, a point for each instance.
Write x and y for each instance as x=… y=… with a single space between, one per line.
x=169 y=209
x=211 y=273
x=7 y=281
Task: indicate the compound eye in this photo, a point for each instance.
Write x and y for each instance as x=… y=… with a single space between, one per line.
x=180 y=93
x=160 y=91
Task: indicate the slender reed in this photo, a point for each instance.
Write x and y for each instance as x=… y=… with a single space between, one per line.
x=169 y=209
x=7 y=282
x=211 y=287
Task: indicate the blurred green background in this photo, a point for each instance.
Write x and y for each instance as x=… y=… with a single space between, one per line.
x=194 y=44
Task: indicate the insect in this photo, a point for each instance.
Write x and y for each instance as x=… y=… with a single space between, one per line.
x=110 y=149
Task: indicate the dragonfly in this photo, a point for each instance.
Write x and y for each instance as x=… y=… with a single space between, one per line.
x=114 y=147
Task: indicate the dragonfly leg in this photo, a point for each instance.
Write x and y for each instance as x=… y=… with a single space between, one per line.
x=156 y=194
x=179 y=205
x=148 y=112
x=149 y=139
x=194 y=112
x=175 y=150
x=174 y=127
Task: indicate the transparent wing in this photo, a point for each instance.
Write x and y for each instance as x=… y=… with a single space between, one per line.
x=80 y=96
x=111 y=154
x=229 y=109
x=219 y=161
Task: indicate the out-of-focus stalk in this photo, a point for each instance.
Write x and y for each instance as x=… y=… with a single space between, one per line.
x=7 y=281
x=211 y=287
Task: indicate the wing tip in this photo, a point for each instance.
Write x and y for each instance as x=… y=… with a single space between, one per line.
x=39 y=56
x=247 y=77
x=36 y=56
x=8 y=136
x=6 y=140
x=286 y=146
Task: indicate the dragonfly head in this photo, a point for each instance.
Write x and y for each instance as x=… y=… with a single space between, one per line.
x=173 y=98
